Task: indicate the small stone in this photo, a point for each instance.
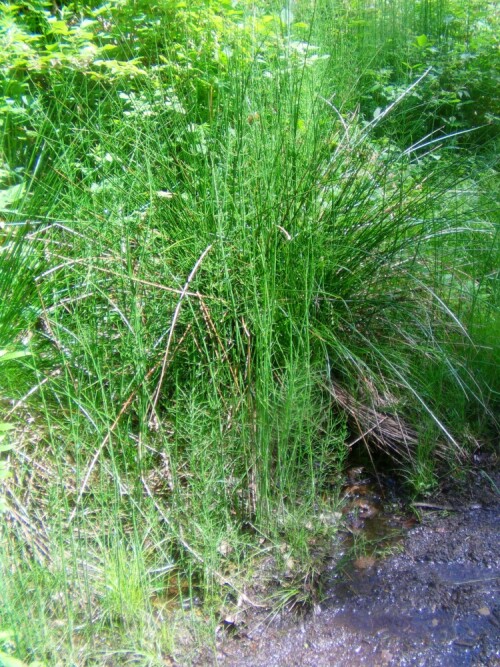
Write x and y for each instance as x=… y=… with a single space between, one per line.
x=484 y=611
x=224 y=548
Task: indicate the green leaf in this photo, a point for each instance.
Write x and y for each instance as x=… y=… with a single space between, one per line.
x=422 y=41
x=5 y=355
x=5 y=427
x=9 y=195
x=58 y=28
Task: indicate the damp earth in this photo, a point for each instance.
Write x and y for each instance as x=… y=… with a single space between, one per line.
x=434 y=600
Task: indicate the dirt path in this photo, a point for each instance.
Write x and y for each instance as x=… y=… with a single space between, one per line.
x=435 y=604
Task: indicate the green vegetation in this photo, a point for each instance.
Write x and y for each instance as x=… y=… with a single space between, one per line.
x=237 y=238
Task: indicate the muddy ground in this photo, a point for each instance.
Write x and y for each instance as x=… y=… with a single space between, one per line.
x=436 y=603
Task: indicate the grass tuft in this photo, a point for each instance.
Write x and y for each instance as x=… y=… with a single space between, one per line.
x=227 y=287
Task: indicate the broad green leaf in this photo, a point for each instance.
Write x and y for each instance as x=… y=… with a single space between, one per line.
x=422 y=41
x=5 y=427
x=9 y=195
x=58 y=28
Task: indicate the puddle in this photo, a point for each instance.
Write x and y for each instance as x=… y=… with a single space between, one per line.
x=375 y=524
x=433 y=603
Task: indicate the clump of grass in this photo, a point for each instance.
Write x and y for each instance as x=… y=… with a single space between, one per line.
x=228 y=301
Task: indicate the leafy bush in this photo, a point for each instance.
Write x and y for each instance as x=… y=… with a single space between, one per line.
x=45 y=47
x=456 y=43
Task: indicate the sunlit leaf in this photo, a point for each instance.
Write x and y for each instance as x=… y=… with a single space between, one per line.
x=9 y=195
x=5 y=355
x=58 y=28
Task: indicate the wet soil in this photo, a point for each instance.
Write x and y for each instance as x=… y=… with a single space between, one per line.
x=436 y=603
